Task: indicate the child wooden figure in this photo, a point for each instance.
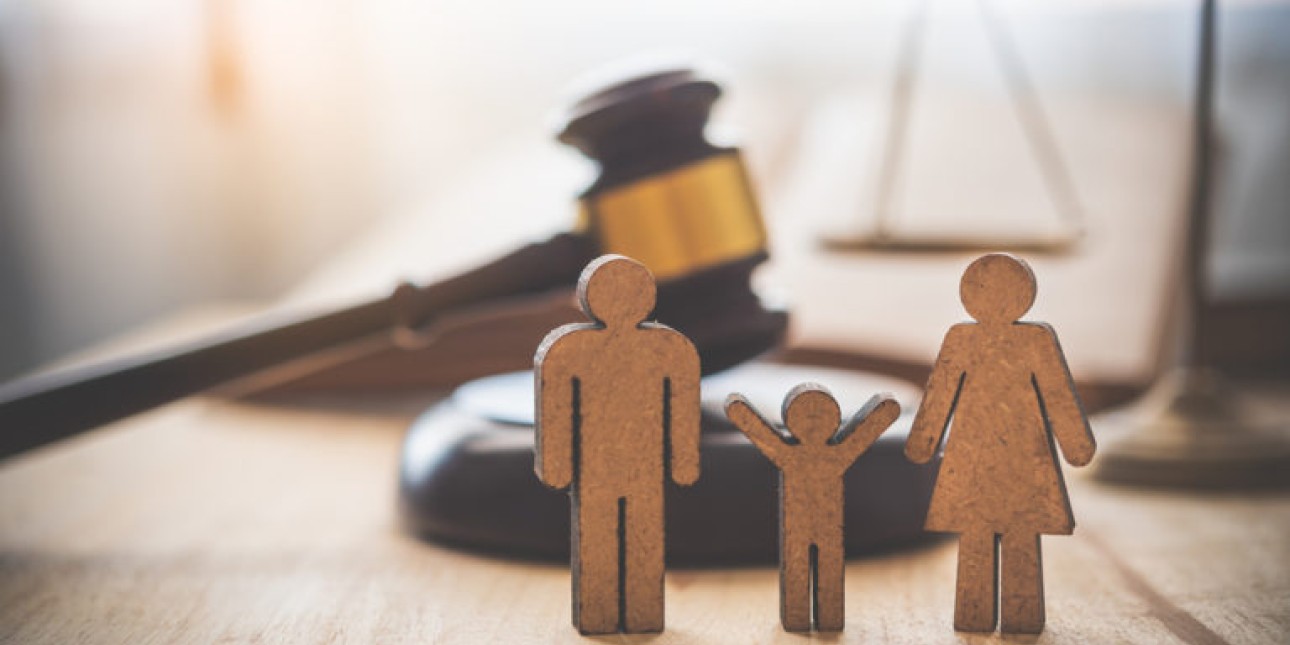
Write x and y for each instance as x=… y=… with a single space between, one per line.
x=1007 y=389
x=617 y=401
x=811 y=463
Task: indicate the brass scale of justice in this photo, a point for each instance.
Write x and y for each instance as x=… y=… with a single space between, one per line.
x=665 y=196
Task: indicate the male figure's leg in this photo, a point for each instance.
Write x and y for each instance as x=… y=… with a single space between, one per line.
x=642 y=557
x=595 y=563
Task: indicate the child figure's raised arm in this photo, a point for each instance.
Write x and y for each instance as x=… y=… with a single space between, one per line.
x=939 y=400
x=556 y=396
x=1058 y=398
x=866 y=425
x=756 y=427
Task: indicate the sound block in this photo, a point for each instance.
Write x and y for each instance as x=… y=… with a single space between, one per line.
x=466 y=475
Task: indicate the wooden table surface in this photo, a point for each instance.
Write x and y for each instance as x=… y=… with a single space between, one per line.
x=216 y=521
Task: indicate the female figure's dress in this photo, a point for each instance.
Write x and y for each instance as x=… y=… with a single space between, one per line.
x=1000 y=471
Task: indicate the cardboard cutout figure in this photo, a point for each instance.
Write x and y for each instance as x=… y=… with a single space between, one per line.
x=617 y=405
x=811 y=463
x=1006 y=388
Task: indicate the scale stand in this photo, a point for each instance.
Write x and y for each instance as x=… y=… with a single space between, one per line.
x=1191 y=430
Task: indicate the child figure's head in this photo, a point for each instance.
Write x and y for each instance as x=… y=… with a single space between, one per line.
x=811 y=413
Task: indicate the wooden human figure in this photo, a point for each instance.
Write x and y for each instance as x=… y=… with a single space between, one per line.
x=811 y=462
x=617 y=409
x=1007 y=389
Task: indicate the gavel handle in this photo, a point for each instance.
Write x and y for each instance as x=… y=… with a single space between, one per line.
x=41 y=409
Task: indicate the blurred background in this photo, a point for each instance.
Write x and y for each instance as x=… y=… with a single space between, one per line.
x=157 y=155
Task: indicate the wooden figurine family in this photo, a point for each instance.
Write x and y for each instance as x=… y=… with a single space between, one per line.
x=618 y=410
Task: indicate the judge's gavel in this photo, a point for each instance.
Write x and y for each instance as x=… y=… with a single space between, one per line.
x=664 y=195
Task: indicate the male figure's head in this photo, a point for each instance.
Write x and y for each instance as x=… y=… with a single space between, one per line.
x=616 y=291
x=811 y=414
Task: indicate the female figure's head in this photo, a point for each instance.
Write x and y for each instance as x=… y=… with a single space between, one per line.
x=997 y=289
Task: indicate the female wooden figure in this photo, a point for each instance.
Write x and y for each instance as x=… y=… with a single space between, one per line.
x=1006 y=386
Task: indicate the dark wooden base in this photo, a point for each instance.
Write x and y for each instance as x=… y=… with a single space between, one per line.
x=467 y=480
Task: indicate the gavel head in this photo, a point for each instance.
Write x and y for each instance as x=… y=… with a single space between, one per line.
x=683 y=207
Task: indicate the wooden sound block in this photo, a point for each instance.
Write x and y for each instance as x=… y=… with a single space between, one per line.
x=466 y=476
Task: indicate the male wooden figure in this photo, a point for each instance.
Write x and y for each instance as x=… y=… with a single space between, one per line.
x=811 y=463
x=1006 y=386
x=616 y=399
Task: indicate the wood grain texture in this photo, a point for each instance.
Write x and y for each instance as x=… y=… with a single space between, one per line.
x=1005 y=386
x=811 y=462
x=617 y=413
